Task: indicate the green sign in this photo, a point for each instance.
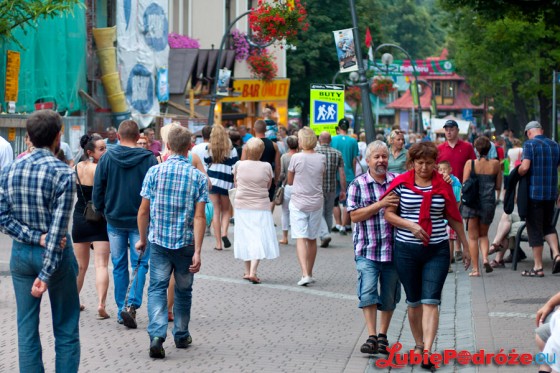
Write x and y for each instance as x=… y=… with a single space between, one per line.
x=422 y=67
x=327 y=107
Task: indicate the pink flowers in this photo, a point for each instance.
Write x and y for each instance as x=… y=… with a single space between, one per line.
x=177 y=41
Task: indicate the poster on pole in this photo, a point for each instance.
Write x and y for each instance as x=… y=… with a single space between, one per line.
x=345 y=50
x=327 y=107
x=12 y=76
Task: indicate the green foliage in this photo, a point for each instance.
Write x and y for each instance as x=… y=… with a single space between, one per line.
x=507 y=53
x=15 y=13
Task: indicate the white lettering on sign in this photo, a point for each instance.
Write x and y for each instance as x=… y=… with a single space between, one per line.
x=140 y=88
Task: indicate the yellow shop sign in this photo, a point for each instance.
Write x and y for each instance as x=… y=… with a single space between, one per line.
x=258 y=90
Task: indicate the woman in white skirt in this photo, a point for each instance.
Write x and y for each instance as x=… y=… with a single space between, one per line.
x=305 y=174
x=255 y=236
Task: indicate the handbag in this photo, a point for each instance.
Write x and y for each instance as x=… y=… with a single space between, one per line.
x=91 y=216
x=469 y=192
x=279 y=196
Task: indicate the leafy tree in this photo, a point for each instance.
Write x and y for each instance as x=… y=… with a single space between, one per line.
x=15 y=13
x=507 y=51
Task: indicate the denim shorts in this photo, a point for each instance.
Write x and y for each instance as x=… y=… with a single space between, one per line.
x=422 y=270
x=370 y=273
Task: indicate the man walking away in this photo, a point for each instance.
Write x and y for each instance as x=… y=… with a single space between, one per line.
x=116 y=193
x=334 y=168
x=541 y=156
x=174 y=195
x=36 y=196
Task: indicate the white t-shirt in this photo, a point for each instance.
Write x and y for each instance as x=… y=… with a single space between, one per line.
x=514 y=154
x=6 y=153
x=200 y=150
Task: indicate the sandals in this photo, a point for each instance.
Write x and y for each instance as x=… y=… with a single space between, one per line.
x=556 y=264
x=494 y=248
x=254 y=280
x=533 y=273
x=382 y=344
x=226 y=242
x=497 y=264
x=370 y=347
x=488 y=268
x=474 y=273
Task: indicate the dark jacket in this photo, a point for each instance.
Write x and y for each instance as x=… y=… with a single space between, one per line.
x=522 y=193
x=117 y=184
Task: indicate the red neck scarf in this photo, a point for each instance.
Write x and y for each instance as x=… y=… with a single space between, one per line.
x=439 y=186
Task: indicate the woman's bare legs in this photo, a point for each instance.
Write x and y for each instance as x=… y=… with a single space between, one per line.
x=101 y=252
x=483 y=239
x=473 y=243
x=226 y=214
x=306 y=252
x=430 y=322
x=81 y=251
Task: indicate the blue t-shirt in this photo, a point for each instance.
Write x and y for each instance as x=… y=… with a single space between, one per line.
x=348 y=146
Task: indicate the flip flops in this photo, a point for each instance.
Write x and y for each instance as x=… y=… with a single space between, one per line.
x=533 y=273
x=556 y=265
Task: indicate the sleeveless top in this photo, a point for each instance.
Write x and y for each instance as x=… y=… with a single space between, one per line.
x=269 y=154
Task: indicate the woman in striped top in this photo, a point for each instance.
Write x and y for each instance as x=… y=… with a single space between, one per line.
x=421 y=249
x=220 y=156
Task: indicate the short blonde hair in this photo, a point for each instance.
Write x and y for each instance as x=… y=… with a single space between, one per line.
x=307 y=138
x=254 y=149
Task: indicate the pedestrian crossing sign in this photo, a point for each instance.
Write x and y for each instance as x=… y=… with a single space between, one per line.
x=327 y=107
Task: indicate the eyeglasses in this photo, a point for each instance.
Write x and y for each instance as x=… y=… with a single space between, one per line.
x=141 y=143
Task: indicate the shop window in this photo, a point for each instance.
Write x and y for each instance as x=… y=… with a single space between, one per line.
x=178 y=11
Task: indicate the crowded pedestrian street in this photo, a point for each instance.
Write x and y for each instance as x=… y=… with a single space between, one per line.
x=277 y=326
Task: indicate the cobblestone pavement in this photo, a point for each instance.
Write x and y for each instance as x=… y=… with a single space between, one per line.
x=278 y=326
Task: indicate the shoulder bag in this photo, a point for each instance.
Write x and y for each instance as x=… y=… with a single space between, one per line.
x=469 y=192
x=91 y=216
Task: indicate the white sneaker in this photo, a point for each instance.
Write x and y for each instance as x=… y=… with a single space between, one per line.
x=305 y=280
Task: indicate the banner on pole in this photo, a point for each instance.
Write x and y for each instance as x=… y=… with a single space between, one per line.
x=327 y=107
x=345 y=50
x=423 y=67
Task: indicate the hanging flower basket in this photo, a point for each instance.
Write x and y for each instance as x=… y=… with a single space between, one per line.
x=382 y=86
x=240 y=45
x=262 y=65
x=278 y=20
x=353 y=94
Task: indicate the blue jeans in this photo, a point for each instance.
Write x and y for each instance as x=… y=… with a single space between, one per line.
x=422 y=270
x=25 y=265
x=123 y=240
x=370 y=273
x=162 y=263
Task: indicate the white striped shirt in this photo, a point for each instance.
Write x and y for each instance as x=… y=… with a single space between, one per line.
x=409 y=209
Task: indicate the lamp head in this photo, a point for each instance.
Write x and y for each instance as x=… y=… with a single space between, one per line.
x=387 y=59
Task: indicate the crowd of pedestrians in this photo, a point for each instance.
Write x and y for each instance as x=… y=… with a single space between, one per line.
x=146 y=204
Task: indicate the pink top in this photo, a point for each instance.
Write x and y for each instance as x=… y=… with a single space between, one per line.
x=307 y=189
x=253 y=179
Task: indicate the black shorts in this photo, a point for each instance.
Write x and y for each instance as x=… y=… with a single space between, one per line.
x=539 y=221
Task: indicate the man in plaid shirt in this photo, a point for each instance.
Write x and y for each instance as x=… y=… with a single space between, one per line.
x=373 y=246
x=174 y=195
x=334 y=164
x=36 y=195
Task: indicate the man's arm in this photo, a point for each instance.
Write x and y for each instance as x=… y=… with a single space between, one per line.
x=524 y=167
x=99 y=186
x=342 y=177
x=143 y=220
x=276 y=163
x=62 y=210
x=199 y=229
x=548 y=307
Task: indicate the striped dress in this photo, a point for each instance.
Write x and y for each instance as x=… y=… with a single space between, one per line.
x=221 y=174
x=409 y=208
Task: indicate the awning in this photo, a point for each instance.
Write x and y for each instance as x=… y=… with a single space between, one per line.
x=181 y=65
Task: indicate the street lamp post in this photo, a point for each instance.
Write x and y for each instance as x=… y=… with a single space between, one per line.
x=388 y=45
x=214 y=96
x=362 y=83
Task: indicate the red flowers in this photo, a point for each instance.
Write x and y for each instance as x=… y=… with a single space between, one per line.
x=382 y=86
x=278 y=20
x=262 y=65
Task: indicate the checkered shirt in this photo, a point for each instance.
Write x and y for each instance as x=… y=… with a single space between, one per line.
x=334 y=162
x=373 y=238
x=173 y=187
x=544 y=155
x=36 y=196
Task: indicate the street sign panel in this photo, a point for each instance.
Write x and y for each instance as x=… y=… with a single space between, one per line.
x=327 y=107
x=12 y=75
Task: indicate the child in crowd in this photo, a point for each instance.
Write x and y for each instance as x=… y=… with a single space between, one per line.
x=444 y=168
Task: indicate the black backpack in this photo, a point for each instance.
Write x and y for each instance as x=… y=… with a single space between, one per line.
x=469 y=192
